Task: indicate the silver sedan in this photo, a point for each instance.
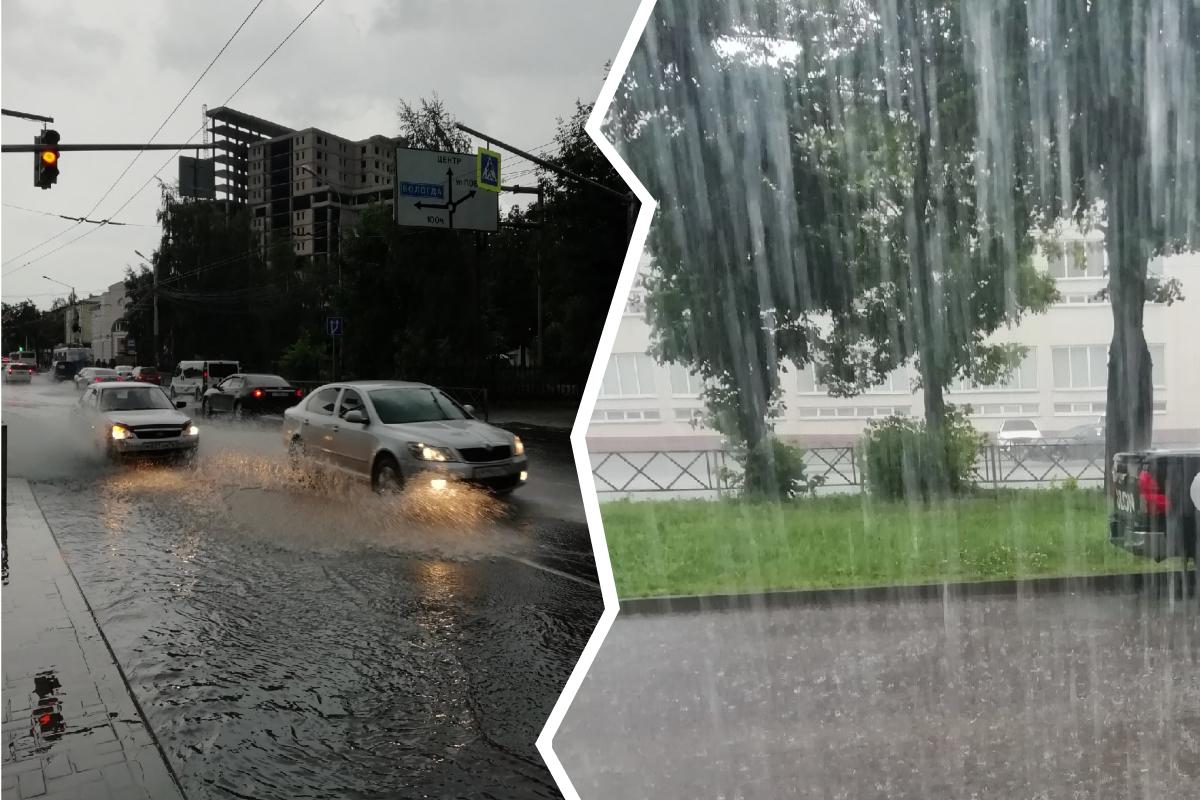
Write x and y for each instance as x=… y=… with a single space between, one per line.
x=135 y=419
x=392 y=431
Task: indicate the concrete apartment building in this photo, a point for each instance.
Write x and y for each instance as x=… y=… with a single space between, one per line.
x=81 y=312
x=1061 y=384
x=301 y=186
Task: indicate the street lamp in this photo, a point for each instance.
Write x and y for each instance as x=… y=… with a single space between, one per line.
x=75 y=328
x=154 y=343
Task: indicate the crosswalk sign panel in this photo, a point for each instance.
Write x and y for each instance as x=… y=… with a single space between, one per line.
x=487 y=170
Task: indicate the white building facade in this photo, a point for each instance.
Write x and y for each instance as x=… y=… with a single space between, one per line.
x=109 y=339
x=1061 y=384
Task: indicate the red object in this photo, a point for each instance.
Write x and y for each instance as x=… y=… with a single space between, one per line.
x=206 y=374
x=257 y=393
x=1156 y=501
x=299 y=393
x=44 y=720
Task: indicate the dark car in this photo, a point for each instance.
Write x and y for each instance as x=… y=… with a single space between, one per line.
x=1151 y=510
x=1085 y=441
x=245 y=394
x=147 y=375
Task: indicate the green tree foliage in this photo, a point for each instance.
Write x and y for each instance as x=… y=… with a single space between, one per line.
x=1112 y=117
x=823 y=206
x=429 y=125
x=897 y=454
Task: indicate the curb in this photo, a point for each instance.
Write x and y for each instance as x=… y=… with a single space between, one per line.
x=1113 y=583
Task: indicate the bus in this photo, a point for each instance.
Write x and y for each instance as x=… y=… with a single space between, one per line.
x=68 y=360
x=23 y=357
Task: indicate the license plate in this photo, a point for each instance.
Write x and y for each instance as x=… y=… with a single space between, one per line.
x=157 y=446
x=1126 y=503
x=491 y=472
x=281 y=394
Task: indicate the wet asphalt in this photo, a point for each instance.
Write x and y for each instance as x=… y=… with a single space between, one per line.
x=1078 y=695
x=303 y=638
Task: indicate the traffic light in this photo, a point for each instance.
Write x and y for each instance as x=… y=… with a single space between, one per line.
x=45 y=160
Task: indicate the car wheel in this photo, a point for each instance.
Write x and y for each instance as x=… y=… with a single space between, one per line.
x=205 y=409
x=386 y=477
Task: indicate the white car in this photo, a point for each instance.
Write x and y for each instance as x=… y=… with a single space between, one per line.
x=391 y=431
x=90 y=375
x=1019 y=431
x=18 y=372
x=193 y=378
x=127 y=418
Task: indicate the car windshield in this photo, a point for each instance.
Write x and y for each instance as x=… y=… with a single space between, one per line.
x=134 y=398
x=399 y=406
x=1019 y=425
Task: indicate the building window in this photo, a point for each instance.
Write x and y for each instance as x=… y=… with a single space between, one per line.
x=1080 y=366
x=1023 y=379
x=1158 y=355
x=1087 y=408
x=629 y=375
x=684 y=382
x=895 y=383
x=692 y=416
x=808 y=382
x=626 y=415
x=376 y=151
x=1078 y=259
x=855 y=412
x=1005 y=410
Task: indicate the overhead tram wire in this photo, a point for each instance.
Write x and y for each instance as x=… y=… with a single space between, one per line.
x=138 y=155
x=175 y=153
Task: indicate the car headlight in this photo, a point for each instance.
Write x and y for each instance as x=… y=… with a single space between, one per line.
x=428 y=452
x=192 y=430
x=120 y=432
x=518 y=446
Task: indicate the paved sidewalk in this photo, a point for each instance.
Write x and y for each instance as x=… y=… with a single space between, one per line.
x=71 y=727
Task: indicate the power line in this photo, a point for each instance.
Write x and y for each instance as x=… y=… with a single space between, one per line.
x=80 y=219
x=167 y=163
x=138 y=155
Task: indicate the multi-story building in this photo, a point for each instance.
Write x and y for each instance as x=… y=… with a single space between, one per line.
x=109 y=338
x=1061 y=383
x=302 y=186
x=79 y=313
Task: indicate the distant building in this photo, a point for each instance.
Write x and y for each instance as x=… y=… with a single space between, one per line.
x=80 y=313
x=301 y=186
x=109 y=337
x=1060 y=385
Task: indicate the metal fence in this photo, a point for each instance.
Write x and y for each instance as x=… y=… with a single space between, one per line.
x=714 y=473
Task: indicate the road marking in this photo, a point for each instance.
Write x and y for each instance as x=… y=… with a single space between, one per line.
x=529 y=563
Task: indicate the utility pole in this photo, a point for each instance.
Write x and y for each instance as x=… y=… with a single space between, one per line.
x=154 y=298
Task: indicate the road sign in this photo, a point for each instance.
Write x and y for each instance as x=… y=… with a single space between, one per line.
x=438 y=190
x=197 y=178
x=487 y=170
x=334 y=326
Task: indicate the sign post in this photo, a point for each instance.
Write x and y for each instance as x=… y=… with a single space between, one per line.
x=334 y=326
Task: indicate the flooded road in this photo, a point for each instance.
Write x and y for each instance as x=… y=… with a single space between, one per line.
x=299 y=637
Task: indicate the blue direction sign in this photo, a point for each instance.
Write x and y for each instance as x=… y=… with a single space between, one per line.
x=334 y=326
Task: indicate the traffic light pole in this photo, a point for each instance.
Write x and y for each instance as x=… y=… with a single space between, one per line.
x=97 y=148
x=8 y=112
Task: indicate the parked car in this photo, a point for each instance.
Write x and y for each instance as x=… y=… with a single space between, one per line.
x=392 y=431
x=246 y=394
x=90 y=375
x=1085 y=441
x=192 y=378
x=125 y=371
x=1019 y=438
x=129 y=418
x=1153 y=501
x=147 y=375
x=18 y=372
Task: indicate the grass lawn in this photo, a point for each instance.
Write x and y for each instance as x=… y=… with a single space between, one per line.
x=684 y=547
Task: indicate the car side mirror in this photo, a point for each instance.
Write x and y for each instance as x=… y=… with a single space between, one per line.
x=469 y=409
x=181 y=403
x=355 y=416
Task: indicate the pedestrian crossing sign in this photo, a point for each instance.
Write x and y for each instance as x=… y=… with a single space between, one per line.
x=487 y=170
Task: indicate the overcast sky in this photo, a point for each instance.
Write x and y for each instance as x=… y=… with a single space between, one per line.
x=111 y=71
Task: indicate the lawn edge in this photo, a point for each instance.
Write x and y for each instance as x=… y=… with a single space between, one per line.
x=1112 y=582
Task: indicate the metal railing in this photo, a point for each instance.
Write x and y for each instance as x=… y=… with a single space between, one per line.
x=710 y=472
